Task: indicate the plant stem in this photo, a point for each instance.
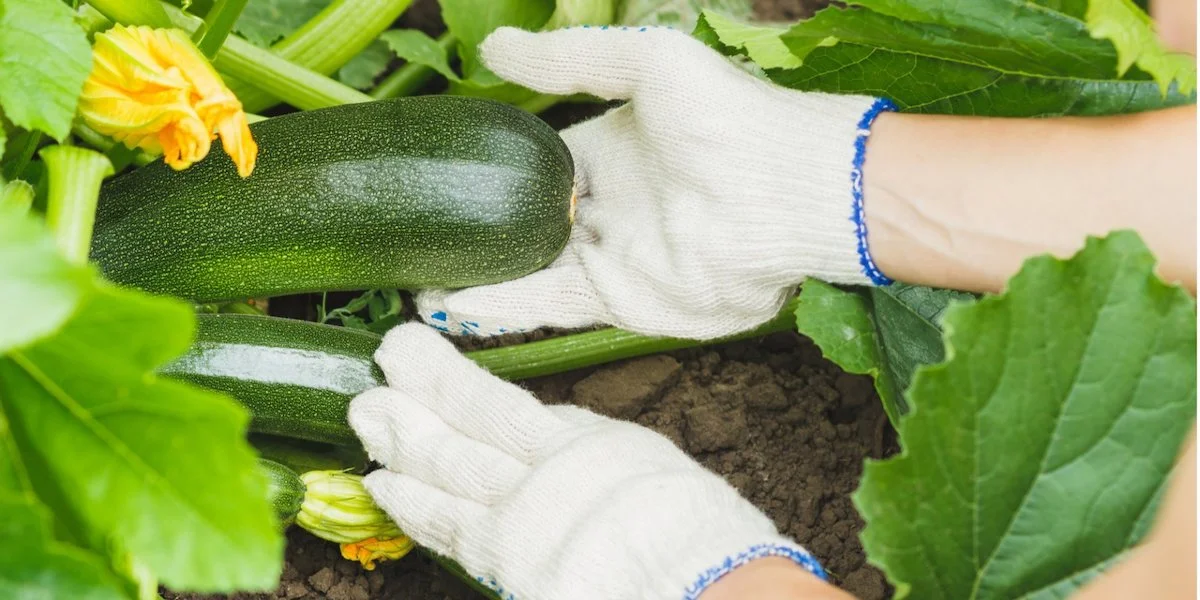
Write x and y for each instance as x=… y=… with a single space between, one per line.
x=217 y=26
x=579 y=350
x=28 y=142
x=303 y=88
x=326 y=43
x=74 y=174
x=539 y=103
x=409 y=78
x=133 y=12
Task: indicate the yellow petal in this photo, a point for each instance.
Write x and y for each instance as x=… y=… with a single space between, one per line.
x=152 y=89
x=373 y=549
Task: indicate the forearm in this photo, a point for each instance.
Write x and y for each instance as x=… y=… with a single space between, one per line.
x=960 y=202
x=773 y=578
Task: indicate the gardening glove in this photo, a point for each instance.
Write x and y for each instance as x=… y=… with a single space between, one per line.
x=546 y=502
x=702 y=201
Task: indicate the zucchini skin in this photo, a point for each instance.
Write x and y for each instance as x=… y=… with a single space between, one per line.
x=296 y=377
x=423 y=192
x=285 y=490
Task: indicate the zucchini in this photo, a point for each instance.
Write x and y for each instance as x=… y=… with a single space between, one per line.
x=285 y=490
x=296 y=377
x=411 y=193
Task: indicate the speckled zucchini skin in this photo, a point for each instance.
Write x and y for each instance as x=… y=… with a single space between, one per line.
x=285 y=490
x=424 y=192
x=296 y=377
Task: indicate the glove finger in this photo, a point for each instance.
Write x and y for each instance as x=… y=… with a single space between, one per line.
x=602 y=61
x=408 y=438
x=428 y=515
x=425 y=367
x=557 y=296
x=575 y=415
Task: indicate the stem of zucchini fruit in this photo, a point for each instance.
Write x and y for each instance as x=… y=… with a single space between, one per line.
x=74 y=174
x=575 y=351
x=217 y=26
x=409 y=78
x=326 y=42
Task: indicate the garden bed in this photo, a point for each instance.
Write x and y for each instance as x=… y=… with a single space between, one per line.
x=789 y=429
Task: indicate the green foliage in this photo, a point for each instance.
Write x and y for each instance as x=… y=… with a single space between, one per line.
x=383 y=309
x=415 y=47
x=366 y=66
x=1132 y=33
x=884 y=332
x=1035 y=455
x=680 y=14
x=153 y=473
x=45 y=57
x=997 y=58
x=264 y=22
x=760 y=43
x=472 y=20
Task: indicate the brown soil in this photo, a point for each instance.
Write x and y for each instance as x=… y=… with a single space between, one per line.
x=784 y=426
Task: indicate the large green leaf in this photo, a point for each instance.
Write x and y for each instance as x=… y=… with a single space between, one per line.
x=264 y=22
x=760 y=43
x=44 y=59
x=39 y=290
x=1132 y=33
x=125 y=460
x=415 y=47
x=1034 y=456
x=884 y=332
x=472 y=20
x=34 y=565
x=997 y=58
x=680 y=14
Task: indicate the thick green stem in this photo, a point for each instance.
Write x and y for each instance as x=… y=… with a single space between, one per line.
x=303 y=88
x=27 y=142
x=217 y=26
x=328 y=41
x=75 y=174
x=133 y=12
x=409 y=78
x=579 y=350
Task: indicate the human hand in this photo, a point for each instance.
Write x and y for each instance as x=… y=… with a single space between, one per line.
x=702 y=202
x=546 y=502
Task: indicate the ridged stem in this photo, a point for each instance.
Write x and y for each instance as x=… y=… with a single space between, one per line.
x=133 y=12
x=326 y=43
x=218 y=24
x=74 y=174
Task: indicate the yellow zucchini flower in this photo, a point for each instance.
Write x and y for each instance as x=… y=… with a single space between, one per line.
x=153 y=89
x=374 y=549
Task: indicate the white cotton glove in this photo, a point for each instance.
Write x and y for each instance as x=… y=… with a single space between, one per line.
x=702 y=202
x=546 y=502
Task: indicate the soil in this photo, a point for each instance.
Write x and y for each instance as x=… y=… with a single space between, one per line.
x=787 y=428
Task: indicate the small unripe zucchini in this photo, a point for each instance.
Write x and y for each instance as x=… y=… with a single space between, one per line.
x=285 y=490
x=424 y=192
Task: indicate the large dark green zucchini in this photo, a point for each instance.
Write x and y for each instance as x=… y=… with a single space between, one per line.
x=296 y=377
x=424 y=192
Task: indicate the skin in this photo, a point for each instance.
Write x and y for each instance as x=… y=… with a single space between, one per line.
x=961 y=202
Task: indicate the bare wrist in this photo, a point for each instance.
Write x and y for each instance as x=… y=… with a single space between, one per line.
x=772 y=578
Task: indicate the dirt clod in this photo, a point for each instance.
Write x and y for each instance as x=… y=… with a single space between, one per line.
x=322 y=580
x=623 y=392
x=710 y=428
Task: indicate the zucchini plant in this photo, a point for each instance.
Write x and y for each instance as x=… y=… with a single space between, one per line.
x=130 y=426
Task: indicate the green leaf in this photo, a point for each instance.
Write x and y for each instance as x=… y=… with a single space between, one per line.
x=44 y=59
x=884 y=332
x=569 y=13
x=1132 y=33
x=39 y=289
x=760 y=43
x=264 y=22
x=680 y=14
x=998 y=58
x=414 y=46
x=472 y=20
x=124 y=459
x=366 y=66
x=1035 y=455
x=34 y=565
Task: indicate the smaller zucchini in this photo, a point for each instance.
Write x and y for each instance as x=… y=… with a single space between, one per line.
x=285 y=490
